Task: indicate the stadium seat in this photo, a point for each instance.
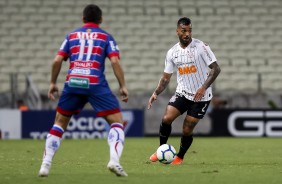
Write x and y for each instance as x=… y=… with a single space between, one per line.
x=170 y=11
x=153 y=11
x=275 y=61
x=239 y=62
x=188 y=11
x=206 y=10
x=135 y=3
x=136 y=11
x=245 y=36
x=33 y=3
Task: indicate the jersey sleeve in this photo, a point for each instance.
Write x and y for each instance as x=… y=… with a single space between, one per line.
x=207 y=54
x=64 y=49
x=169 y=64
x=112 y=48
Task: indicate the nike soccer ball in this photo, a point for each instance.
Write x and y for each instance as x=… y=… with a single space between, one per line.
x=166 y=153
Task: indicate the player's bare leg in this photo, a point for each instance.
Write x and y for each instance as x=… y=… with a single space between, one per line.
x=116 y=143
x=53 y=142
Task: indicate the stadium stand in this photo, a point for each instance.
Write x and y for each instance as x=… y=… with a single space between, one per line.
x=245 y=35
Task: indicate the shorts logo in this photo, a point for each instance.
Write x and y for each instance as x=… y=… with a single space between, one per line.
x=173 y=98
x=79 y=82
x=203 y=109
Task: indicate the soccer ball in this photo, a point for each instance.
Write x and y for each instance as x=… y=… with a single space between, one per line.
x=166 y=153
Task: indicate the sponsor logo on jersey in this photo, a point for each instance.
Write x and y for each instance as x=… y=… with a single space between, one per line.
x=113 y=46
x=117 y=47
x=187 y=69
x=80 y=71
x=79 y=82
x=83 y=64
x=80 y=64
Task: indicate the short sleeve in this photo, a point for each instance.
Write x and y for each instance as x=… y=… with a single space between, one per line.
x=207 y=54
x=64 y=49
x=169 y=64
x=112 y=48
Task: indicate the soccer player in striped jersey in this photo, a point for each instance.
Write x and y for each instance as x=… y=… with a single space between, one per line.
x=197 y=69
x=87 y=48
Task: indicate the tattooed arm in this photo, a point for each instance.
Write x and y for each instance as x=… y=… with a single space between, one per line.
x=214 y=72
x=161 y=87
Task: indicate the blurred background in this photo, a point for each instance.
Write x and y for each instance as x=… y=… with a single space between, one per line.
x=245 y=35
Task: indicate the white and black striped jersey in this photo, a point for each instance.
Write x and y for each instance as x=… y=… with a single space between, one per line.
x=192 y=67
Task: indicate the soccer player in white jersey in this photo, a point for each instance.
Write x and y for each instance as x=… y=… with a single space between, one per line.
x=197 y=69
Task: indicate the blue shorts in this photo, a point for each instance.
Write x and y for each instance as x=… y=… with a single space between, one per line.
x=103 y=104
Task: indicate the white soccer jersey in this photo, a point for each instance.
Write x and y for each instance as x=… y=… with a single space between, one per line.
x=192 y=67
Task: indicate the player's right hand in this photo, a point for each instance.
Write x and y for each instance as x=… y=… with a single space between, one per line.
x=152 y=99
x=53 y=89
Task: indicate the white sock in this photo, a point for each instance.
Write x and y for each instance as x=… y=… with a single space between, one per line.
x=116 y=141
x=53 y=142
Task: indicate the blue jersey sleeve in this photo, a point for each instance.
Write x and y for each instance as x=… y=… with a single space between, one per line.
x=64 y=49
x=112 y=48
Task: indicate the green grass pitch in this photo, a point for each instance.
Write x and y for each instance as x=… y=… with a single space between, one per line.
x=209 y=160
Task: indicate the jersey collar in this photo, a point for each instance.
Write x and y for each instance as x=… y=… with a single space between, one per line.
x=91 y=24
x=192 y=44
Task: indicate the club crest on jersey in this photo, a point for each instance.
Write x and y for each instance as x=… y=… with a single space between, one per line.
x=88 y=30
x=190 y=53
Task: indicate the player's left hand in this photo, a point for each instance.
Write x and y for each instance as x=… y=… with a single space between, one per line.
x=123 y=94
x=199 y=94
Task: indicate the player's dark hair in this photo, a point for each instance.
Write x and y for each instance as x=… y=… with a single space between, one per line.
x=184 y=21
x=92 y=13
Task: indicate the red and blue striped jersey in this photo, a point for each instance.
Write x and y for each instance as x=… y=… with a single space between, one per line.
x=87 y=48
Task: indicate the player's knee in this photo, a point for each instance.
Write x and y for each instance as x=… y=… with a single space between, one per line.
x=187 y=131
x=167 y=120
x=188 y=127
